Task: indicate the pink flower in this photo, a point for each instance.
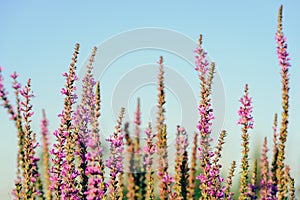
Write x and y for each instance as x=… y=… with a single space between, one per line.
x=245 y=111
x=14 y=75
x=168 y=179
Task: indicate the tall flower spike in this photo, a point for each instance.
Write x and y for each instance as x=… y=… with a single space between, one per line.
x=114 y=162
x=18 y=121
x=130 y=160
x=83 y=119
x=149 y=150
x=166 y=179
x=283 y=58
x=46 y=164
x=63 y=173
x=3 y=95
x=275 y=150
x=181 y=167
x=95 y=167
x=178 y=162
x=15 y=115
x=207 y=177
x=30 y=172
x=70 y=187
x=217 y=180
x=273 y=178
x=161 y=135
x=137 y=122
x=246 y=120
x=17 y=118
x=139 y=174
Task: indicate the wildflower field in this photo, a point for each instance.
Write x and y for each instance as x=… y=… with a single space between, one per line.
x=76 y=161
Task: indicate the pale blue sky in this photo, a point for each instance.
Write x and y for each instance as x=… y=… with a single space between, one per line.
x=37 y=40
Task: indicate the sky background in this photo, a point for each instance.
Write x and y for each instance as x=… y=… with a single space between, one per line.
x=37 y=40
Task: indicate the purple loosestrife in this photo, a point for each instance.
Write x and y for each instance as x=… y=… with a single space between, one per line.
x=166 y=179
x=210 y=179
x=265 y=189
x=80 y=123
x=16 y=117
x=283 y=58
x=192 y=174
x=63 y=173
x=273 y=178
x=181 y=165
x=70 y=186
x=114 y=162
x=30 y=172
x=206 y=116
x=18 y=123
x=178 y=162
x=95 y=167
x=130 y=159
x=163 y=176
x=139 y=176
x=82 y=120
x=150 y=150
x=3 y=95
x=46 y=164
x=246 y=120
x=217 y=180
x=217 y=153
x=137 y=122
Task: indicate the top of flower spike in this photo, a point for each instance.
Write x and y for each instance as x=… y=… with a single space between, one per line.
x=137 y=114
x=279 y=28
x=245 y=111
x=201 y=63
x=161 y=60
x=282 y=45
x=200 y=40
x=14 y=75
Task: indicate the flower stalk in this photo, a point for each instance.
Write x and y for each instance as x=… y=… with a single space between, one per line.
x=63 y=151
x=246 y=120
x=46 y=158
x=283 y=58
